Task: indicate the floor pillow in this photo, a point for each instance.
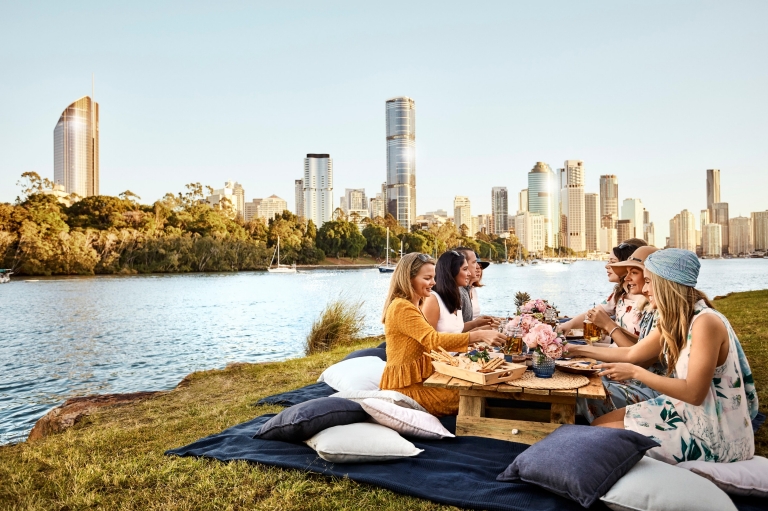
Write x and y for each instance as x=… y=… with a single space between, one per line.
x=363 y=442
x=302 y=421
x=406 y=421
x=390 y=396
x=747 y=478
x=368 y=352
x=362 y=373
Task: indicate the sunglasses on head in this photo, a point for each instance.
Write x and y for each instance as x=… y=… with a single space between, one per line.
x=626 y=245
x=456 y=253
x=423 y=258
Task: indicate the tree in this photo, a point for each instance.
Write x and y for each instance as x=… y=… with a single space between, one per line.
x=31 y=183
x=340 y=238
x=376 y=240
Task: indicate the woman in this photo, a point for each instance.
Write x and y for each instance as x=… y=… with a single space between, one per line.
x=443 y=308
x=409 y=335
x=618 y=303
x=477 y=282
x=708 y=395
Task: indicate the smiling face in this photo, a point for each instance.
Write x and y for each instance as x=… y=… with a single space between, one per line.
x=612 y=277
x=648 y=288
x=463 y=278
x=423 y=281
x=471 y=261
x=634 y=280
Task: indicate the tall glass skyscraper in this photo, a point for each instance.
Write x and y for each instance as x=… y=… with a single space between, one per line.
x=318 y=188
x=401 y=160
x=543 y=199
x=76 y=148
x=609 y=200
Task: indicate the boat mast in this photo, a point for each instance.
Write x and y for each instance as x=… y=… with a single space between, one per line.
x=278 y=251
x=387 y=246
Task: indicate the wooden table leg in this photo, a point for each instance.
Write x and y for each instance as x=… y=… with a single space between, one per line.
x=562 y=414
x=471 y=406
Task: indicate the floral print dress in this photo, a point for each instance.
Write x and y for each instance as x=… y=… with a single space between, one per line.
x=718 y=430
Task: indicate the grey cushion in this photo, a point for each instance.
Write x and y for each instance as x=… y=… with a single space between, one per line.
x=579 y=462
x=368 y=352
x=303 y=421
x=382 y=346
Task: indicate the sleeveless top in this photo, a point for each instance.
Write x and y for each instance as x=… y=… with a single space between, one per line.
x=447 y=322
x=475 y=303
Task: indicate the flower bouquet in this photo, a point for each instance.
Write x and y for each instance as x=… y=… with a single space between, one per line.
x=540 y=309
x=546 y=345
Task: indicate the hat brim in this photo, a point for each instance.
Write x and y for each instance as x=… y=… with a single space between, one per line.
x=484 y=264
x=624 y=266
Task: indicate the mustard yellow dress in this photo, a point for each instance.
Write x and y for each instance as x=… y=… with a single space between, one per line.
x=409 y=335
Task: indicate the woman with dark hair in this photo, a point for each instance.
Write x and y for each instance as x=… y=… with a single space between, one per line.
x=443 y=307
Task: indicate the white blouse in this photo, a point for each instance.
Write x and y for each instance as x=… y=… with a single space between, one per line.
x=447 y=322
x=475 y=303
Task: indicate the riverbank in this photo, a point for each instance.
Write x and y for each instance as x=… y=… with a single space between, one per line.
x=114 y=458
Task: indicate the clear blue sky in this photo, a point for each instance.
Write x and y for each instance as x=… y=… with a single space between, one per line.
x=655 y=92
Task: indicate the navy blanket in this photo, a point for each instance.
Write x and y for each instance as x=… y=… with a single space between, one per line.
x=456 y=471
x=297 y=396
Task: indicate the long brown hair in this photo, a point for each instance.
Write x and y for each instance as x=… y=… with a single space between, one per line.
x=675 y=303
x=400 y=286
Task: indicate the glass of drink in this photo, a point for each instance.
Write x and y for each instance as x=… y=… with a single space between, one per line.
x=592 y=332
x=514 y=341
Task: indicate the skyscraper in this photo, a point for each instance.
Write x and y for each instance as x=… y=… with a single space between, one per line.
x=318 y=188
x=231 y=198
x=298 y=194
x=591 y=221
x=713 y=188
x=462 y=214
x=682 y=231
x=740 y=235
x=76 y=148
x=609 y=197
x=542 y=200
x=572 y=207
x=522 y=200
x=499 y=210
x=401 y=159
x=355 y=198
x=719 y=215
x=632 y=210
x=711 y=240
x=760 y=230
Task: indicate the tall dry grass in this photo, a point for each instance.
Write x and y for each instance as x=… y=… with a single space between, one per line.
x=339 y=324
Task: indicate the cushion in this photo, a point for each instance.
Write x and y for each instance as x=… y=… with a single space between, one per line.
x=368 y=352
x=747 y=478
x=363 y=442
x=406 y=421
x=362 y=373
x=390 y=396
x=579 y=462
x=299 y=422
x=383 y=346
x=654 y=485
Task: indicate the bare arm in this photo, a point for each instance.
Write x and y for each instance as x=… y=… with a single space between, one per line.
x=574 y=322
x=648 y=348
x=431 y=310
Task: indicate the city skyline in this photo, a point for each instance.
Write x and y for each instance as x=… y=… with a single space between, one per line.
x=483 y=121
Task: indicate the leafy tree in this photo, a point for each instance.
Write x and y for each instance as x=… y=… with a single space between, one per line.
x=376 y=240
x=340 y=238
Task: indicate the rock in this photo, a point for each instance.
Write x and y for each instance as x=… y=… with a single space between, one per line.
x=65 y=416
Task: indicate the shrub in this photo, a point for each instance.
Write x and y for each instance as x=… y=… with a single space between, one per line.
x=340 y=323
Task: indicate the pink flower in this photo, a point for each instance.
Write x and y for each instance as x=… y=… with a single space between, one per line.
x=540 y=335
x=553 y=351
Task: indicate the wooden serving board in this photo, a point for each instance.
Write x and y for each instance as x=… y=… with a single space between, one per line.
x=506 y=372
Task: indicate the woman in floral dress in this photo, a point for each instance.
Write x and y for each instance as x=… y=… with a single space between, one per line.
x=707 y=398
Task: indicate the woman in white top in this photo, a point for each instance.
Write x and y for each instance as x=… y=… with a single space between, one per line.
x=443 y=308
x=477 y=282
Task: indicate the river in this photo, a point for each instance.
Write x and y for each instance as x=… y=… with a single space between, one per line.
x=64 y=337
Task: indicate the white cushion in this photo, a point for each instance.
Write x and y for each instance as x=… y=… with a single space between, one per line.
x=361 y=443
x=747 y=478
x=390 y=396
x=362 y=373
x=655 y=485
x=406 y=421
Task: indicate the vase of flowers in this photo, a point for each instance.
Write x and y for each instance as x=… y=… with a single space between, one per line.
x=546 y=346
x=543 y=366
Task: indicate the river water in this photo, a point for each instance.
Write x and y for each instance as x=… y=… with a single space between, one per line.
x=64 y=337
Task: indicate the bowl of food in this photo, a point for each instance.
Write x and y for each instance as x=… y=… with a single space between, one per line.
x=578 y=365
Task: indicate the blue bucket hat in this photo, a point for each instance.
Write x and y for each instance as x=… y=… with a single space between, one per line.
x=675 y=264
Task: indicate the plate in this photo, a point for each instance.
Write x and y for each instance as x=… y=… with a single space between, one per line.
x=577 y=365
x=575 y=333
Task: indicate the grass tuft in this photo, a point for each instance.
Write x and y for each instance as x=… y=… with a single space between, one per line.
x=339 y=325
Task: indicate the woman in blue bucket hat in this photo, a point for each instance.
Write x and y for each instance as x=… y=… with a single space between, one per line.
x=707 y=398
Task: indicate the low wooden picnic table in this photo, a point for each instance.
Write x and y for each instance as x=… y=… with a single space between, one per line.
x=472 y=419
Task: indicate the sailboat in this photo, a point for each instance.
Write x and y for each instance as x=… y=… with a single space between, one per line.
x=387 y=267
x=280 y=269
x=506 y=257
x=5 y=276
x=520 y=260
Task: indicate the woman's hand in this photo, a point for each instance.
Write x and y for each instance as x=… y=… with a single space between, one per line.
x=618 y=371
x=572 y=350
x=491 y=337
x=599 y=317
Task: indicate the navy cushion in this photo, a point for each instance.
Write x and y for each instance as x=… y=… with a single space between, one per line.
x=382 y=346
x=301 y=422
x=579 y=462
x=368 y=352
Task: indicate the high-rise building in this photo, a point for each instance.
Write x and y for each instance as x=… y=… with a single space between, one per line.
x=355 y=199
x=378 y=206
x=318 y=188
x=591 y=221
x=623 y=230
x=251 y=209
x=239 y=194
x=499 y=210
x=682 y=231
x=719 y=215
x=76 y=148
x=271 y=206
x=713 y=188
x=543 y=200
x=759 y=230
x=522 y=200
x=609 y=197
x=740 y=235
x=607 y=240
x=529 y=229
x=231 y=198
x=298 y=192
x=711 y=236
x=485 y=224
x=574 y=173
x=573 y=207
x=401 y=159
x=632 y=210
x=462 y=214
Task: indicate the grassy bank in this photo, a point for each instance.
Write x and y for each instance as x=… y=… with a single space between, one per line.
x=114 y=459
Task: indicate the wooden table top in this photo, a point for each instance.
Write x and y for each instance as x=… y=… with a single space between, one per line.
x=593 y=390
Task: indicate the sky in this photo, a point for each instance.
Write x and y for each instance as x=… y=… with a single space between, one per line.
x=654 y=92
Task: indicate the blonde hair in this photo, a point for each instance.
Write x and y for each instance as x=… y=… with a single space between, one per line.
x=400 y=286
x=675 y=303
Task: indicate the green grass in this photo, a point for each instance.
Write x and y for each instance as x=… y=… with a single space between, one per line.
x=339 y=324
x=114 y=459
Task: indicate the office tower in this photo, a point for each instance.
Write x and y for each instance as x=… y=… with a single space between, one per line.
x=623 y=230
x=522 y=201
x=713 y=188
x=76 y=148
x=719 y=215
x=529 y=229
x=608 y=239
x=543 y=200
x=682 y=231
x=591 y=221
x=462 y=214
x=759 y=230
x=271 y=206
x=573 y=206
x=298 y=192
x=740 y=235
x=609 y=197
x=704 y=219
x=499 y=210
x=712 y=241
x=355 y=198
x=574 y=173
x=485 y=224
x=231 y=198
x=378 y=206
x=632 y=210
x=239 y=194
x=318 y=188
x=401 y=160
x=251 y=210
x=343 y=203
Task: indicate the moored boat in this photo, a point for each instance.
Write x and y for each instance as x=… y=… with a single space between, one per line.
x=5 y=276
x=279 y=268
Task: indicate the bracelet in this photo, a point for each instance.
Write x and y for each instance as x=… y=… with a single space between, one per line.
x=610 y=334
